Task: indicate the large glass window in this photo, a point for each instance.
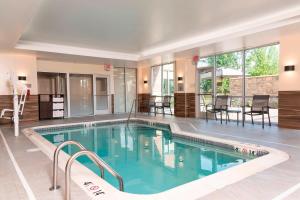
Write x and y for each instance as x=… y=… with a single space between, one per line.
x=229 y=77
x=168 y=80
x=162 y=82
x=262 y=68
x=156 y=83
x=260 y=71
x=206 y=81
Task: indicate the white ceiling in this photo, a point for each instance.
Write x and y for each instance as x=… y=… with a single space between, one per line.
x=15 y=15
x=128 y=29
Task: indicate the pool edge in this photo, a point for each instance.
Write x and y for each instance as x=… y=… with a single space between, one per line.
x=194 y=190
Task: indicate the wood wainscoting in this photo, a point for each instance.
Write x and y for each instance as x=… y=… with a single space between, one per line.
x=289 y=109
x=184 y=104
x=31 y=109
x=143 y=102
x=112 y=104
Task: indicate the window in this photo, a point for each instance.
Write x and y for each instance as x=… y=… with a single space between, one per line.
x=168 y=80
x=206 y=81
x=261 y=71
x=229 y=77
x=162 y=83
x=163 y=80
x=225 y=72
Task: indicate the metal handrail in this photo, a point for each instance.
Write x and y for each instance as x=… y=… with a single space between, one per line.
x=55 y=162
x=133 y=103
x=96 y=160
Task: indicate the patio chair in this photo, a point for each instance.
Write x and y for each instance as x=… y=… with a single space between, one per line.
x=166 y=103
x=21 y=105
x=152 y=104
x=221 y=104
x=260 y=106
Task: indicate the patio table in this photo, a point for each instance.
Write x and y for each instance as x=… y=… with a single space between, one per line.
x=237 y=111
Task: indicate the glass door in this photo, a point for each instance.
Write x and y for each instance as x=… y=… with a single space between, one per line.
x=81 y=92
x=101 y=95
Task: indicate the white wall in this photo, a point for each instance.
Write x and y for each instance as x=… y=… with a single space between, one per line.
x=143 y=74
x=290 y=55
x=186 y=69
x=21 y=65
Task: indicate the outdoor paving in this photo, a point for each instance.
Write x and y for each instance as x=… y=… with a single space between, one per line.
x=264 y=185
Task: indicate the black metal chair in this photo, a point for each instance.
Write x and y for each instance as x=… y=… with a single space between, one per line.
x=260 y=106
x=166 y=103
x=221 y=104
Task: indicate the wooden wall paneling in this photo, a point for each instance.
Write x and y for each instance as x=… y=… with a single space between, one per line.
x=184 y=105
x=191 y=106
x=112 y=103
x=31 y=109
x=179 y=105
x=143 y=102
x=289 y=109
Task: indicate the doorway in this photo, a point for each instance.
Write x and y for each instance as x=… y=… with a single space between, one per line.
x=101 y=95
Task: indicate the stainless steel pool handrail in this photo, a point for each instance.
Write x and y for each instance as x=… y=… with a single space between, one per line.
x=55 y=162
x=96 y=160
x=133 y=103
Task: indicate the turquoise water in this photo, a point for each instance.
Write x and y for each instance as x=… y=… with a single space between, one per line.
x=148 y=158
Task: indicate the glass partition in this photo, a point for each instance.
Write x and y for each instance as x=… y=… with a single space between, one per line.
x=119 y=85
x=125 y=89
x=81 y=95
x=130 y=81
x=53 y=83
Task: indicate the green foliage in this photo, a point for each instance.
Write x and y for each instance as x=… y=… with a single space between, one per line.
x=259 y=62
x=206 y=86
x=229 y=60
x=168 y=87
x=262 y=61
x=224 y=88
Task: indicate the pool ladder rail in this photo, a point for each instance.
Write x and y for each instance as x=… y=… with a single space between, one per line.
x=131 y=109
x=83 y=151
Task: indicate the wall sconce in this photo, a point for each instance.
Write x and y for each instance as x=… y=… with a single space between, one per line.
x=22 y=78
x=180 y=86
x=289 y=68
x=145 y=81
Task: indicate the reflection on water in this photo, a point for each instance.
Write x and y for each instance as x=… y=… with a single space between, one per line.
x=148 y=159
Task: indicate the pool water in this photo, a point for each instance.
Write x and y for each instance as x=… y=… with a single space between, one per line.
x=148 y=158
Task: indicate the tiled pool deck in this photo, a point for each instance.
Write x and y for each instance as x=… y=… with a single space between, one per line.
x=268 y=184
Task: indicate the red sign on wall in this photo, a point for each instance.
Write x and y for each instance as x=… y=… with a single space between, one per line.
x=107 y=67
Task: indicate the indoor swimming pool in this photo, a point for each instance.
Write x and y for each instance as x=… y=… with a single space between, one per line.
x=148 y=156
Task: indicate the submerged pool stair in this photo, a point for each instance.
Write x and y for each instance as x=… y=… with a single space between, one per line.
x=83 y=151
